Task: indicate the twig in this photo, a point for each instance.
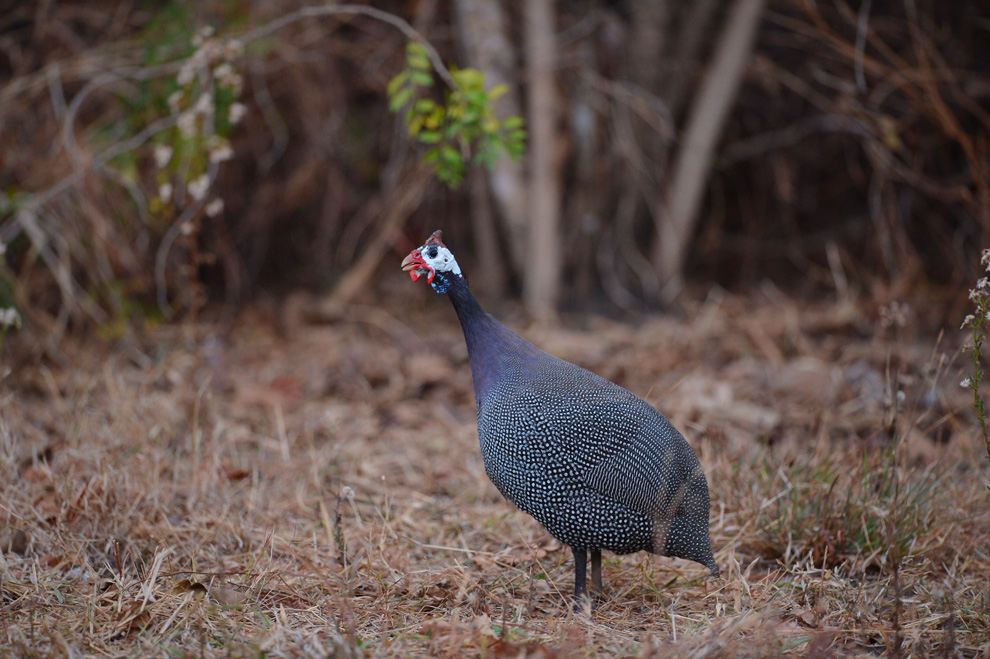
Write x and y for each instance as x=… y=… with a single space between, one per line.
x=25 y=218
x=336 y=10
x=707 y=117
x=12 y=226
x=862 y=28
x=399 y=207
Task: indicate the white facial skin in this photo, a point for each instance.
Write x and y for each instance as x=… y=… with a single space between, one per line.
x=444 y=261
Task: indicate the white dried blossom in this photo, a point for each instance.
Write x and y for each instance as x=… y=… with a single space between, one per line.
x=967 y=320
x=894 y=315
x=221 y=153
x=966 y=383
x=237 y=112
x=233 y=48
x=982 y=283
x=211 y=49
x=165 y=192
x=202 y=34
x=198 y=187
x=214 y=207
x=223 y=71
x=203 y=104
x=985 y=257
x=234 y=81
x=10 y=317
x=186 y=74
x=347 y=492
x=174 y=100
x=163 y=154
x=198 y=59
x=187 y=124
x=974 y=295
x=187 y=228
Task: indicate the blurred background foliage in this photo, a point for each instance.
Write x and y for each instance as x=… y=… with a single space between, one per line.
x=162 y=158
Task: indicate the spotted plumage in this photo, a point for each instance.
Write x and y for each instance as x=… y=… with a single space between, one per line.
x=599 y=467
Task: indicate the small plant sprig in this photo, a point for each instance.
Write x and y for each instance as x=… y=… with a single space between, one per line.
x=977 y=322
x=204 y=95
x=463 y=124
x=9 y=316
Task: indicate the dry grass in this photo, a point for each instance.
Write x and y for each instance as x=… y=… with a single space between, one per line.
x=318 y=490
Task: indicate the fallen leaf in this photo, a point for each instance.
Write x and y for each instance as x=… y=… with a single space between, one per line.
x=232 y=474
x=13 y=541
x=436 y=628
x=133 y=617
x=226 y=596
x=288 y=386
x=806 y=617
x=36 y=473
x=47 y=506
x=483 y=625
x=187 y=586
x=423 y=368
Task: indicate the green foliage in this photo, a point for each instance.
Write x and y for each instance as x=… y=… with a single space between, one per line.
x=201 y=97
x=830 y=512
x=127 y=308
x=168 y=35
x=463 y=127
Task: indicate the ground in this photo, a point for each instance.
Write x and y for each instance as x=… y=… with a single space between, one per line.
x=293 y=484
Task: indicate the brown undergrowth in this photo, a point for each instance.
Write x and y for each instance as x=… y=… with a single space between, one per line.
x=316 y=489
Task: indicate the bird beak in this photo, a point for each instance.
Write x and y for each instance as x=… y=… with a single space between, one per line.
x=416 y=266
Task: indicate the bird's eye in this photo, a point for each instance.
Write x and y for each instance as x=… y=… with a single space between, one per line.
x=432 y=252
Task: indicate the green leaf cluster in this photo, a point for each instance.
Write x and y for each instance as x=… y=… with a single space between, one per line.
x=463 y=127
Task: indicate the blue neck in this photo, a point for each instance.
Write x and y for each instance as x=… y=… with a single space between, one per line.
x=492 y=347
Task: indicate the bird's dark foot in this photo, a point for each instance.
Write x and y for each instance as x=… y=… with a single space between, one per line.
x=582 y=601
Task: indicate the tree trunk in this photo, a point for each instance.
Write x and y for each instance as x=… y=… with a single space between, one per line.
x=690 y=38
x=482 y=25
x=706 y=120
x=541 y=278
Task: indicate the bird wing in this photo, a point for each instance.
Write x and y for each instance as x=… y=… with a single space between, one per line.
x=645 y=463
x=623 y=447
x=615 y=442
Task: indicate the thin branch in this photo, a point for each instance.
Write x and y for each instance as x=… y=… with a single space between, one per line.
x=26 y=217
x=706 y=119
x=862 y=28
x=336 y=10
x=12 y=226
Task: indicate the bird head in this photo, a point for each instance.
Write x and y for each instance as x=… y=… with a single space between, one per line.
x=435 y=261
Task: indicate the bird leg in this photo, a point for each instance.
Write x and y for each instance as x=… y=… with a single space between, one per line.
x=596 y=569
x=580 y=577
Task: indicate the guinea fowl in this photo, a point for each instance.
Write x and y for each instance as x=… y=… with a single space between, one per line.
x=599 y=467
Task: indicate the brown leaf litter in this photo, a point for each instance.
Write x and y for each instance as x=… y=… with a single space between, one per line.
x=320 y=492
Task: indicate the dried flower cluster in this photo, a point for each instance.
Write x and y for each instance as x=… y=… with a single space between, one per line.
x=894 y=315
x=10 y=317
x=206 y=109
x=975 y=321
